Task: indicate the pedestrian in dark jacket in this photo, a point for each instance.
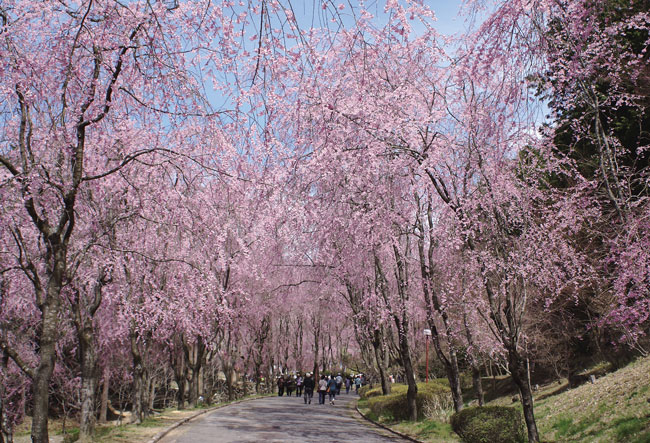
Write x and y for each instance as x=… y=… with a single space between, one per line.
x=309 y=385
x=280 y=386
x=339 y=383
x=332 y=388
x=290 y=385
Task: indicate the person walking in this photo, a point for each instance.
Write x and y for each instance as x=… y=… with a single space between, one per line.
x=339 y=383
x=299 y=385
x=348 y=385
x=290 y=384
x=322 y=389
x=280 y=386
x=332 y=387
x=309 y=385
x=357 y=383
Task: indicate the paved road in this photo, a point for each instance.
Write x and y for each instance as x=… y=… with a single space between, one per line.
x=281 y=419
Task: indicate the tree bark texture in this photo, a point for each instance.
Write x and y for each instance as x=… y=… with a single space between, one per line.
x=138 y=378
x=400 y=317
x=88 y=384
x=412 y=392
x=520 y=377
x=317 y=326
x=453 y=375
x=43 y=373
x=103 y=408
x=194 y=360
x=6 y=428
x=84 y=312
x=433 y=305
x=478 y=385
x=180 y=375
x=376 y=344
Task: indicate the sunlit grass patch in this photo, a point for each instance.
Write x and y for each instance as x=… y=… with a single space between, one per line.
x=613 y=409
x=428 y=430
x=626 y=428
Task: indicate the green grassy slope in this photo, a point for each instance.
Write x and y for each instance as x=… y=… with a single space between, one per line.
x=616 y=408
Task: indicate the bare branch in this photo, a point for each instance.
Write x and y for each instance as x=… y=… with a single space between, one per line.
x=22 y=364
x=293 y=285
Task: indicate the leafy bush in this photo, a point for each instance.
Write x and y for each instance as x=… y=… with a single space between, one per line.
x=437 y=402
x=489 y=424
x=430 y=399
x=367 y=392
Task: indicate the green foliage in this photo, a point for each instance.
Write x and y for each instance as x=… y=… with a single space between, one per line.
x=627 y=427
x=489 y=424
x=563 y=426
x=567 y=427
x=367 y=391
x=427 y=430
x=71 y=435
x=430 y=397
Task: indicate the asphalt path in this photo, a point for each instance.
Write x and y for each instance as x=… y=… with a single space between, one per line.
x=281 y=419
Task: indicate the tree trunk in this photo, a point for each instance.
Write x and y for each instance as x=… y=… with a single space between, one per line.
x=245 y=384
x=385 y=383
x=433 y=305
x=474 y=362
x=520 y=377
x=401 y=320
x=180 y=375
x=103 y=407
x=88 y=384
x=478 y=385
x=180 y=394
x=6 y=427
x=152 y=393
x=409 y=373
x=229 y=371
x=258 y=375
x=316 y=348
x=194 y=360
x=43 y=373
x=453 y=375
x=138 y=375
x=225 y=367
x=194 y=388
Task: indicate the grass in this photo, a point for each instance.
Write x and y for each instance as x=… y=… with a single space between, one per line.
x=616 y=408
x=426 y=430
x=628 y=428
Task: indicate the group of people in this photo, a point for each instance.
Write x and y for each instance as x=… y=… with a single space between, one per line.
x=327 y=386
x=299 y=384
x=290 y=384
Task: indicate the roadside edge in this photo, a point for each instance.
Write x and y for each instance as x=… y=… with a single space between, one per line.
x=179 y=423
x=407 y=437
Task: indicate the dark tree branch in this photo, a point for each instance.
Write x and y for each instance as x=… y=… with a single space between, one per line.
x=22 y=364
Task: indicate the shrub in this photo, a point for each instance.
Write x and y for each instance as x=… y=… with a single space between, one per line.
x=367 y=392
x=489 y=424
x=436 y=403
x=430 y=399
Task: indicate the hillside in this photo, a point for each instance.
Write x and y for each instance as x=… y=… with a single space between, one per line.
x=616 y=408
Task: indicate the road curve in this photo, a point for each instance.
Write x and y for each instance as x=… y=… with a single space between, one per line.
x=280 y=419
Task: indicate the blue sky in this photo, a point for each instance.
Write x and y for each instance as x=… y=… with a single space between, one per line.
x=310 y=12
